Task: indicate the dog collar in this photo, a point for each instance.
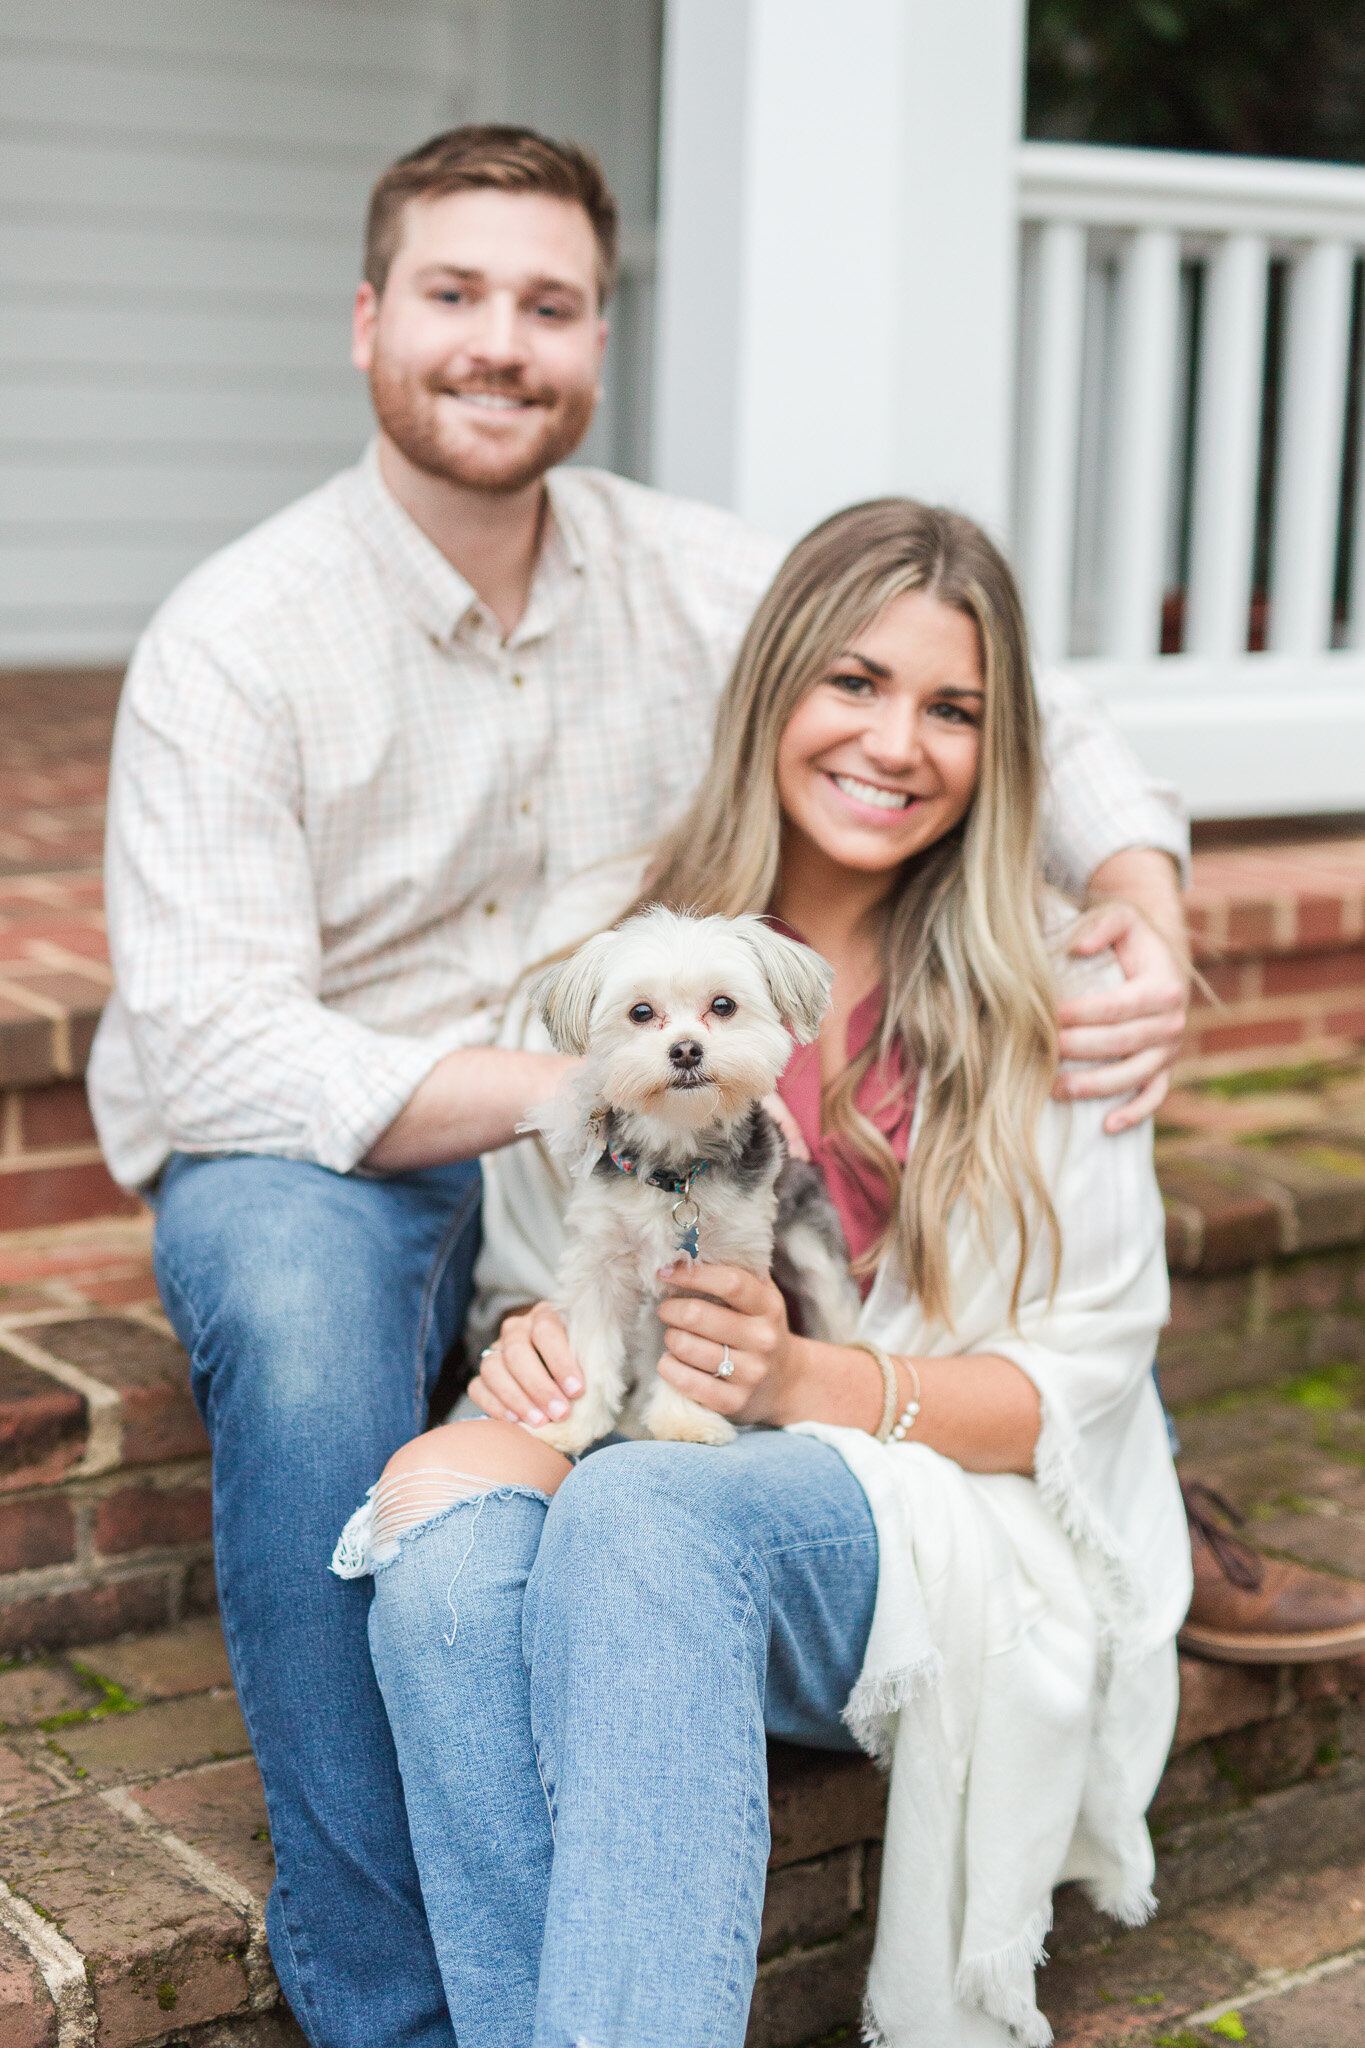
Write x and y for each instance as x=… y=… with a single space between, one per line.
x=686 y=1214
x=671 y=1183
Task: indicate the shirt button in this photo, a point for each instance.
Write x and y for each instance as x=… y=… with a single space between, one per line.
x=526 y=807
x=517 y=682
x=490 y=909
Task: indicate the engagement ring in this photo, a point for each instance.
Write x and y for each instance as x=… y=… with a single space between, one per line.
x=725 y=1369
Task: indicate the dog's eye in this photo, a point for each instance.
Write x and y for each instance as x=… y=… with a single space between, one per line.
x=640 y=1014
x=724 y=1006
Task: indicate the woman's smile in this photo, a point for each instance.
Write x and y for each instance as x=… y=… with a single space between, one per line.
x=873 y=796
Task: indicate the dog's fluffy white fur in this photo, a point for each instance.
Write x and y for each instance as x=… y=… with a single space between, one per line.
x=685 y=1024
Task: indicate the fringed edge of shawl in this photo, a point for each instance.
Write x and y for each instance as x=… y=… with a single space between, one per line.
x=1133 y=1905
x=990 y=1981
x=1019 y=2014
x=1063 y=1494
x=873 y=1702
x=873 y=2033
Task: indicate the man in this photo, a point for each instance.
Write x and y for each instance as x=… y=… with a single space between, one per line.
x=355 y=750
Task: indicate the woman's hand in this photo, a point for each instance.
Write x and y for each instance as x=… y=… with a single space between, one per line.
x=745 y=1313
x=530 y=1375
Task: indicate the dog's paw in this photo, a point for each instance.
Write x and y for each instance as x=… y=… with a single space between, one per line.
x=569 y=1437
x=672 y=1418
x=586 y=1421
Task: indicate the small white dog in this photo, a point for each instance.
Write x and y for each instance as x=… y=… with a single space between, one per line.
x=686 y=1023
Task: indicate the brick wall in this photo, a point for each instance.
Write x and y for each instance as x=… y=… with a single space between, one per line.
x=1279 y=936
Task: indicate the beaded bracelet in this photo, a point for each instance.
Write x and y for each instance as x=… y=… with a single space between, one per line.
x=890 y=1388
x=905 y=1422
x=893 y=1428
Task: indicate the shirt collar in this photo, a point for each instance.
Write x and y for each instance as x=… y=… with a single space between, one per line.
x=433 y=591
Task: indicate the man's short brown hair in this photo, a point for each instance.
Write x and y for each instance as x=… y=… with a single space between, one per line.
x=491 y=159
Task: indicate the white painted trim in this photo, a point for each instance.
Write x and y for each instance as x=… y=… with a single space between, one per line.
x=1261 y=736
x=1194 y=193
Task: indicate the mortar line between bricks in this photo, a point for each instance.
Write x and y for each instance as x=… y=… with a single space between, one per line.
x=166 y=1475
x=77 y=1311
x=261 y=1981
x=104 y=1443
x=29 y=998
x=52 y=1159
x=86 y=1574
x=45 y=954
x=61 y=1967
x=152 y=1317
x=1293 y=1980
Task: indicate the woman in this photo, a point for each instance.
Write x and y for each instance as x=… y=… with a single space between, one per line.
x=580 y=1664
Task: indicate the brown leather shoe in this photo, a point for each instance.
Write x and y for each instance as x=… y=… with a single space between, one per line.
x=1249 y=1609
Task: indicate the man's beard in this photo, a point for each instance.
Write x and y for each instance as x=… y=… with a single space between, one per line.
x=409 y=413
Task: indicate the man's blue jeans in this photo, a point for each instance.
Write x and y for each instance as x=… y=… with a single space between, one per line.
x=316 y=1308
x=579 y=1690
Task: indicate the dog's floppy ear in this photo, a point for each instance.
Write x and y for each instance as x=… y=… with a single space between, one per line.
x=566 y=992
x=799 y=980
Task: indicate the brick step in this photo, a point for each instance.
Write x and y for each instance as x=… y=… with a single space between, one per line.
x=130 y=1759
x=105 y=1512
x=133 y=1842
x=54 y=979
x=1267 y=1778
x=1263 y=1177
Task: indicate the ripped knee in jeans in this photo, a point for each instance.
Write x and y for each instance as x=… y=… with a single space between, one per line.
x=398 y=1505
x=435 y=1473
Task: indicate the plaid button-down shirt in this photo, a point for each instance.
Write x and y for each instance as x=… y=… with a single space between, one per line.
x=339 y=797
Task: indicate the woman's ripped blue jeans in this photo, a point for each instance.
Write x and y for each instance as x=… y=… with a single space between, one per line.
x=579 y=1690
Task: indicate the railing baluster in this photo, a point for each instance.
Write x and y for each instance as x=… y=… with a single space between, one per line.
x=1227 y=446
x=1312 y=412
x=1048 y=498
x=1139 y=503
x=1355 y=627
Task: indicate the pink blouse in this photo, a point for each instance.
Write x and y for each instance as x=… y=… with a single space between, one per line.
x=886 y=1098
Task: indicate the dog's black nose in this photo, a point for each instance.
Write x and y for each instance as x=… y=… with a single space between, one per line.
x=685 y=1055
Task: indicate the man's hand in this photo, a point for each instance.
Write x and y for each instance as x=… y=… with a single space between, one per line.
x=1130 y=1037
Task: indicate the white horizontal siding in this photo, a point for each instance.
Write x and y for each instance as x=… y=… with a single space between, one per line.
x=145 y=333
x=347 y=37
x=182 y=190
x=72 y=419
x=217 y=486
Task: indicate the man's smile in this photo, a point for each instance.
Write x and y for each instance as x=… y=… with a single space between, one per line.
x=493 y=401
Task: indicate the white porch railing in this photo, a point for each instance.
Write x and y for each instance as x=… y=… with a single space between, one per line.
x=1190 y=487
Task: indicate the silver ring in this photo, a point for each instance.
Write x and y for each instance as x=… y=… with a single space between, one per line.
x=490 y=1351
x=726 y=1369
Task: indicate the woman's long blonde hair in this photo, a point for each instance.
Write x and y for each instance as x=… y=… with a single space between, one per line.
x=969 y=992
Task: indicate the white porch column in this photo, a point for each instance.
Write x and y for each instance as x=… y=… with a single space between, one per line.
x=837 y=264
